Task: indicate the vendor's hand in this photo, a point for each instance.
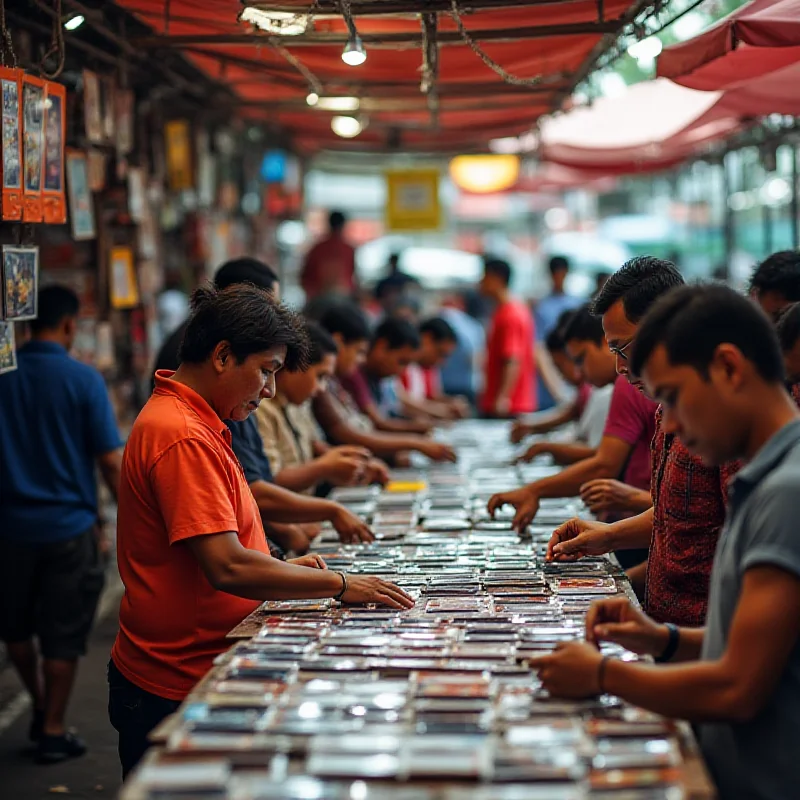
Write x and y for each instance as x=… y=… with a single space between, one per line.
x=524 y=500
x=460 y=407
x=345 y=464
x=572 y=670
x=368 y=589
x=311 y=560
x=519 y=430
x=377 y=472
x=606 y=494
x=534 y=450
x=578 y=538
x=350 y=528
x=618 y=620
x=436 y=451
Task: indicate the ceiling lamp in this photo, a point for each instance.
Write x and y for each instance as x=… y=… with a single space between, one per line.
x=485 y=174
x=74 y=22
x=346 y=127
x=354 y=53
x=312 y=98
x=280 y=23
x=339 y=103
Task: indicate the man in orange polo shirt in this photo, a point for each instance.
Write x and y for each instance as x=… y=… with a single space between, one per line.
x=191 y=547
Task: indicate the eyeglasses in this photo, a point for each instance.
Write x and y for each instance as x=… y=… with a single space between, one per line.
x=620 y=351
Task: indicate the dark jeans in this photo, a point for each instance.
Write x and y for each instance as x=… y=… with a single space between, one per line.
x=134 y=713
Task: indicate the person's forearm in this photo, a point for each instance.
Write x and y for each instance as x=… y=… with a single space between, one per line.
x=281 y=505
x=508 y=378
x=289 y=537
x=639 y=501
x=424 y=408
x=383 y=445
x=401 y=425
x=631 y=534
x=319 y=448
x=111 y=477
x=300 y=477
x=566 y=453
x=568 y=482
x=258 y=576
x=638 y=577
x=696 y=691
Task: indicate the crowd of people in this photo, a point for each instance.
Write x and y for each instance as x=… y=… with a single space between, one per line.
x=685 y=446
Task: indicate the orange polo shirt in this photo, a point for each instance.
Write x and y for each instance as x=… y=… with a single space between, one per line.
x=180 y=479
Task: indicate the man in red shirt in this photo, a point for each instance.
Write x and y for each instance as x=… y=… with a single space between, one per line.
x=510 y=372
x=689 y=497
x=192 y=552
x=330 y=265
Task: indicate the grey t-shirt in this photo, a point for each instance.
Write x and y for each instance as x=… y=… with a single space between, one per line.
x=760 y=758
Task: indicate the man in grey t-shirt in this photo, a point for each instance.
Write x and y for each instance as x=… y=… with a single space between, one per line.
x=712 y=359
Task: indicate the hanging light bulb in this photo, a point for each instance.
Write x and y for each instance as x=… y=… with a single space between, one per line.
x=74 y=22
x=312 y=98
x=346 y=127
x=354 y=53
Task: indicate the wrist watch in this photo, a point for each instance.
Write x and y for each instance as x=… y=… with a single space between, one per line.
x=672 y=643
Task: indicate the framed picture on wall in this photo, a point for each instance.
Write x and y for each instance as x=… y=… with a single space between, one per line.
x=33 y=108
x=125 y=119
x=81 y=202
x=179 y=155
x=92 y=111
x=11 y=88
x=20 y=282
x=8 y=351
x=53 y=195
x=124 y=292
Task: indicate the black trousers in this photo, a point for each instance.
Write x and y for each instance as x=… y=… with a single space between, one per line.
x=134 y=713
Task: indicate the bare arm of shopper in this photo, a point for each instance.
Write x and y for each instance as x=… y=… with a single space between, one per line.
x=763 y=633
x=110 y=465
x=563 y=453
x=609 y=460
x=607 y=494
x=340 y=466
x=232 y=568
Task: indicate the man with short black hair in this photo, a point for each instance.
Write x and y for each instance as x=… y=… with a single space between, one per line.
x=689 y=497
x=56 y=426
x=788 y=328
x=421 y=391
x=775 y=282
x=394 y=346
x=712 y=360
x=510 y=383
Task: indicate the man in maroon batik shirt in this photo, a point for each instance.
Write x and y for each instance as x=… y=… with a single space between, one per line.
x=689 y=498
x=330 y=265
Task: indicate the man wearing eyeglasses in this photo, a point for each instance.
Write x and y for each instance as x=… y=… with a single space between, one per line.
x=689 y=498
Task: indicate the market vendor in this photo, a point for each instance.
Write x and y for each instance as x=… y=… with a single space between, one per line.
x=191 y=547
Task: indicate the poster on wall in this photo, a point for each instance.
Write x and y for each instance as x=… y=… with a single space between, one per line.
x=33 y=96
x=179 y=155
x=98 y=167
x=122 y=278
x=137 y=200
x=92 y=113
x=8 y=352
x=108 y=107
x=11 y=86
x=20 y=282
x=81 y=203
x=53 y=195
x=125 y=120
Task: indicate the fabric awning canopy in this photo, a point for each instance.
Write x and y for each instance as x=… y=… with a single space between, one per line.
x=556 y=41
x=757 y=39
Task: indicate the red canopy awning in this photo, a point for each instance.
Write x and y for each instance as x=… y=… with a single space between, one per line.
x=759 y=38
x=556 y=41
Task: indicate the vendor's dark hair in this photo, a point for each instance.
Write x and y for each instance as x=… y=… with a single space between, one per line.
x=348 y=320
x=638 y=283
x=583 y=326
x=246 y=270
x=396 y=333
x=322 y=343
x=249 y=320
x=693 y=321
x=440 y=330
x=54 y=304
x=780 y=273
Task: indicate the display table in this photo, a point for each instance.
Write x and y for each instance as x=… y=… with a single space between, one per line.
x=319 y=700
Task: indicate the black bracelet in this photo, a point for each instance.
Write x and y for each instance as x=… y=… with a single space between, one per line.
x=672 y=643
x=601 y=674
x=344 y=586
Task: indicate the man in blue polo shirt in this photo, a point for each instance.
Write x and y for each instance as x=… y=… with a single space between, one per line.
x=56 y=426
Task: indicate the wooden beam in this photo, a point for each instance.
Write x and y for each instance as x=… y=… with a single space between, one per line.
x=388 y=40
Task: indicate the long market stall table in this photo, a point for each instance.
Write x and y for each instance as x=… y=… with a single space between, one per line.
x=319 y=700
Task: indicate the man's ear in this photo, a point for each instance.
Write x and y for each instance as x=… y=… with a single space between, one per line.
x=221 y=356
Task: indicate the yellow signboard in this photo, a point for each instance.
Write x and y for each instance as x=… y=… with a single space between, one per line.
x=412 y=200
